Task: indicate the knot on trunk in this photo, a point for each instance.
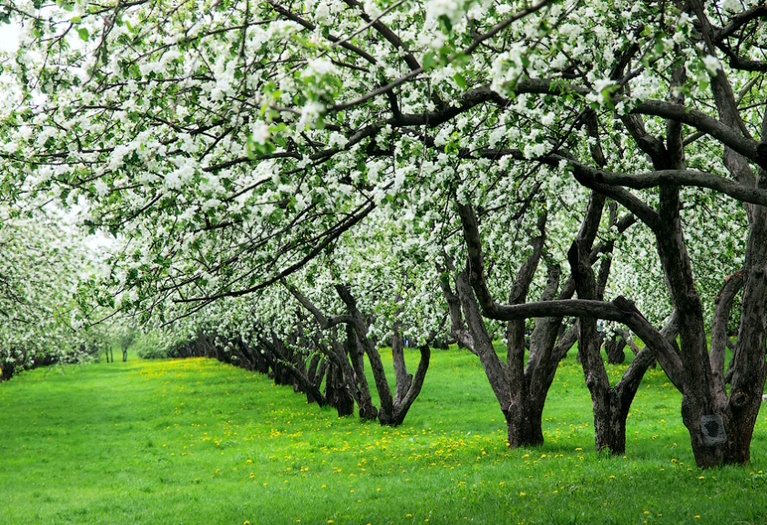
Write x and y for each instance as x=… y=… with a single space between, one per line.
x=739 y=400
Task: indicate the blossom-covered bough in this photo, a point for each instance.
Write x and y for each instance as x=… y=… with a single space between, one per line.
x=231 y=143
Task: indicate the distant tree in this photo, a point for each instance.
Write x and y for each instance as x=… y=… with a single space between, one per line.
x=41 y=305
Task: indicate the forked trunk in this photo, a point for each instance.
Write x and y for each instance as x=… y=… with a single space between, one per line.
x=610 y=405
x=402 y=406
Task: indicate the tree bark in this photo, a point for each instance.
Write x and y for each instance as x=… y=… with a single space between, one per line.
x=355 y=353
x=403 y=380
x=749 y=369
x=386 y=414
x=521 y=390
x=401 y=409
x=610 y=404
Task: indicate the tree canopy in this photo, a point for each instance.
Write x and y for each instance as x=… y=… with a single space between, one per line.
x=234 y=146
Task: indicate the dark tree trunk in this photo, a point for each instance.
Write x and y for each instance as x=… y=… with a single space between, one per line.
x=6 y=370
x=390 y=412
x=336 y=391
x=614 y=349
x=700 y=411
x=520 y=389
x=403 y=380
x=610 y=404
x=402 y=407
x=355 y=353
x=311 y=374
x=749 y=369
x=407 y=387
x=524 y=423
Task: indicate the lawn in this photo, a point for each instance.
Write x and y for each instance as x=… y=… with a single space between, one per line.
x=197 y=441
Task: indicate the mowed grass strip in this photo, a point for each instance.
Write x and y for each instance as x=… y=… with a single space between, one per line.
x=200 y=442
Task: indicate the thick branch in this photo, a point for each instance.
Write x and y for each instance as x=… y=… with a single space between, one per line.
x=738 y=21
x=457 y=326
x=694 y=178
x=620 y=310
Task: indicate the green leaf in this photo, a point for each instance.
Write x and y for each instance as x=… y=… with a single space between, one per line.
x=429 y=61
x=445 y=22
x=460 y=80
x=83 y=33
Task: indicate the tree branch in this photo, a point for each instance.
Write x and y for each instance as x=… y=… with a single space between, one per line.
x=324 y=321
x=694 y=178
x=732 y=285
x=702 y=122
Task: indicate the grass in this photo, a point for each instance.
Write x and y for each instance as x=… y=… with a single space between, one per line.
x=197 y=441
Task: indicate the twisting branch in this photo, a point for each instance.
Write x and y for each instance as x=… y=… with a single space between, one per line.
x=323 y=320
x=702 y=122
x=620 y=309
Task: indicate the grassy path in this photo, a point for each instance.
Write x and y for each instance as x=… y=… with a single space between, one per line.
x=200 y=442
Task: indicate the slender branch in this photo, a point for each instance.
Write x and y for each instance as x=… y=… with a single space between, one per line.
x=738 y=21
x=733 y=284
x=324 y=321
x=503 y=25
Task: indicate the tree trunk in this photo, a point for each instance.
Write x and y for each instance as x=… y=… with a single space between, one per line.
x=336 y=391
x=403 y=380
x=524 y=423
x=403 y=406
x=749 y=369
x=355 y=353
x=311 y=374
x=610 y=404
x=6 y=370
x=360 y=326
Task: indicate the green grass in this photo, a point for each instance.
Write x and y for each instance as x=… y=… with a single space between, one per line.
x=197 y=441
